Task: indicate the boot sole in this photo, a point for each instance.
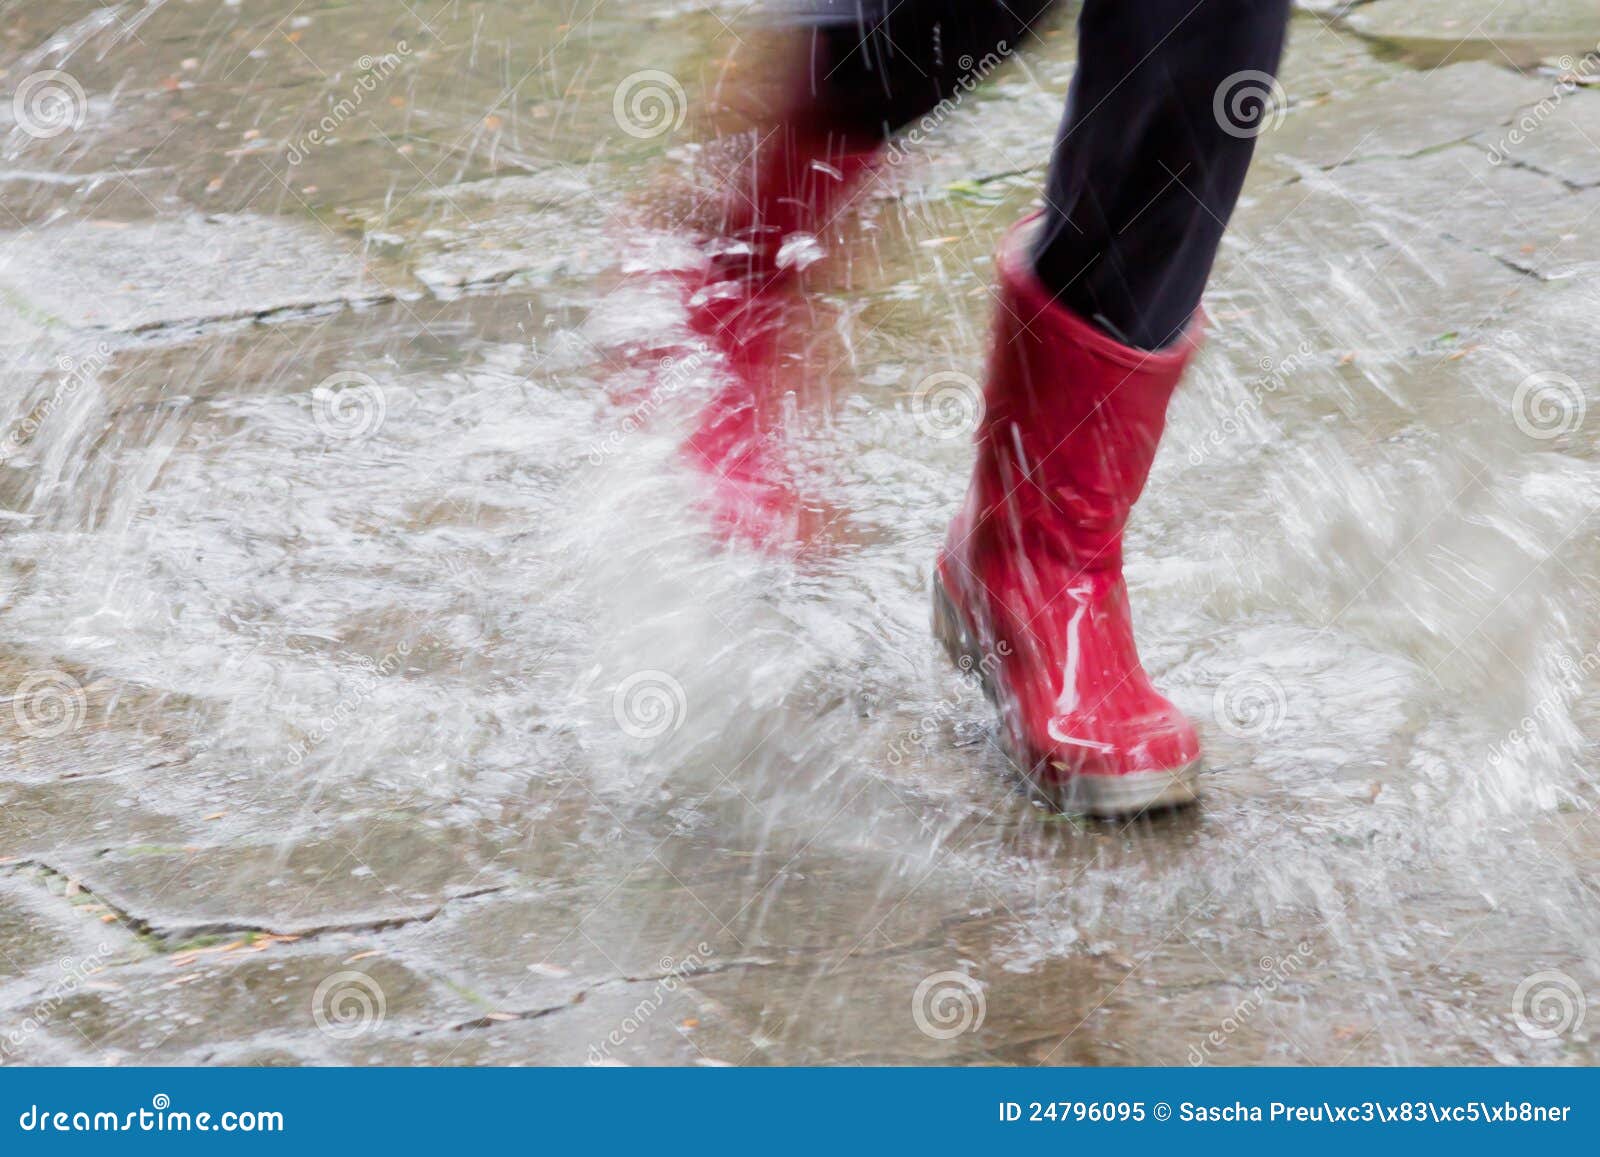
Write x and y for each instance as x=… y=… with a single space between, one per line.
x=1100 y=796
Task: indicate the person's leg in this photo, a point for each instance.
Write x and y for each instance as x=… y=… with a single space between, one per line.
x=1152 y=153
x=874 y=66
x=1093 y=332
x=846 y=75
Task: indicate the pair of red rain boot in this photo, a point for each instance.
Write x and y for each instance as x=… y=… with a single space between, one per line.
x=1028 y=590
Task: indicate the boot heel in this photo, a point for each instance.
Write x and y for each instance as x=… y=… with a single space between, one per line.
x=1123 y=796
x=951 y=629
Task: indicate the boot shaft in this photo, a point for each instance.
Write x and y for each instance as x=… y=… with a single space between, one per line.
x=1072 y=420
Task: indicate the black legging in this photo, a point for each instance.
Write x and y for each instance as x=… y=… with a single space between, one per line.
x=1152 y=151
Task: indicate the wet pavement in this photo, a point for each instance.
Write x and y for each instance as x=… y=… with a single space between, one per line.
x=379 y=694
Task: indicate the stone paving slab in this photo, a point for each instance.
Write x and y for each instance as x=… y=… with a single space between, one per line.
x=186 y=271
x=1558 y=135
x=1527 y=220
x=1512 y=26
x=319 y=1004
x=375 y=873
x=1407 y=115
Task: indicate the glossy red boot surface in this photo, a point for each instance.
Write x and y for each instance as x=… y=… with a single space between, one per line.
x=1029 y=590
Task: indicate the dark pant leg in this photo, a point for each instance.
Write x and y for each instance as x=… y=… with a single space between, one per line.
x=1150 y=158
x=875 y=65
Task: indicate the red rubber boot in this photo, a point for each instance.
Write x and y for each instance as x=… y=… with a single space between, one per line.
x=1028 y=590
x=742 y=304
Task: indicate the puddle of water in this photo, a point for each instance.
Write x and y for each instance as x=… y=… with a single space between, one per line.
x=463 y=606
